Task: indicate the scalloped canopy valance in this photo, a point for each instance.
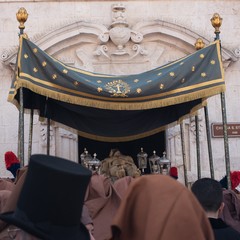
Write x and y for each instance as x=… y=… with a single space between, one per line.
x=116 y=107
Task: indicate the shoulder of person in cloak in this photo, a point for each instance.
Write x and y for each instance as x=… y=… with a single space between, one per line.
x=235 y=181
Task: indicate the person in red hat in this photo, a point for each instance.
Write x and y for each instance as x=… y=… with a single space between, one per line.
x=12 y=162
x=173 y=172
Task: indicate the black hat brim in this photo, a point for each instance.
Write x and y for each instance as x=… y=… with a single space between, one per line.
x=55 y=232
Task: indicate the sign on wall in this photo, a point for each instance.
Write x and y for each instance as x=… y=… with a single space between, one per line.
x=233 y=130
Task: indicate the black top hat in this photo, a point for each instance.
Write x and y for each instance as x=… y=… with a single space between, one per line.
x=50 y=203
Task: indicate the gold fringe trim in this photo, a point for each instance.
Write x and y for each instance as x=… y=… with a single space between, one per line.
x=203 y=93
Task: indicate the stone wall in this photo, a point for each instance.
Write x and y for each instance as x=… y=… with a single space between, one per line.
x=167 y=31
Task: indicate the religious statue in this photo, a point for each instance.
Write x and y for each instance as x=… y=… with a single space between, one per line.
x=118 y=165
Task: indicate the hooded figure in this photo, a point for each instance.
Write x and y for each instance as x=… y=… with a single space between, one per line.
x=173 y=172
x=159 y=207
x=12 y=162
x=50 y=203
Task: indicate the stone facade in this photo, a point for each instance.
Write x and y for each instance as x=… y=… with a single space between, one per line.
x=123 y=38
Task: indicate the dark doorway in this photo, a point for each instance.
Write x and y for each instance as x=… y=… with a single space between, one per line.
x=149 y=144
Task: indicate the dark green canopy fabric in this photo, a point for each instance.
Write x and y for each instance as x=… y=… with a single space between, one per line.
x=116 y=107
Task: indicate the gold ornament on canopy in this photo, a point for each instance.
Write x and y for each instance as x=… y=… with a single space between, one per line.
x=22 y=17
x=216 y=21
x=199 y=44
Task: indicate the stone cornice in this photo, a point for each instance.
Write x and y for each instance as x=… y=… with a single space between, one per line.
x=72 y=34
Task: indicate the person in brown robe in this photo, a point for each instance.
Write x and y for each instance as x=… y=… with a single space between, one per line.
x=103 y=198
x=159 y=207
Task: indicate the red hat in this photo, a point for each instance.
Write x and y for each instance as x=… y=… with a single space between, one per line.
x=10 y=159
x=173 y=172
x=235 y=179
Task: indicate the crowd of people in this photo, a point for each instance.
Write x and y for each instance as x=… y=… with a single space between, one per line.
x=54 y=198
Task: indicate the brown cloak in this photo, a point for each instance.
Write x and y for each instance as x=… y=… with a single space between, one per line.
x=158 y=207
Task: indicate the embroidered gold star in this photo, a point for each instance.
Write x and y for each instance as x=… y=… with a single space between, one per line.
x=54 y=76
x=139 y=90
x=76 y=83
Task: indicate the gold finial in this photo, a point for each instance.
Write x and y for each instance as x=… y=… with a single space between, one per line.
x=199 y=44
x=216 y=21
x=22 y=17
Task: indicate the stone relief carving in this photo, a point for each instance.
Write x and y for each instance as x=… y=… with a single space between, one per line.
x=193 y=126
x=134 y=47
x=174 y=145
x=119 y=32
x=68 y=142
x=126 y=40
x=66 y=134
x=43 y=134
x=237 y=52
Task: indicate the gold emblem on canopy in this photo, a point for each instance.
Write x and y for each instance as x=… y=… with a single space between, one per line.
x=118 y=88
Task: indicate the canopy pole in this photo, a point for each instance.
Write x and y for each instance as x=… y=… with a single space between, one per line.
x=30 y=134
x=48 y=136
x=209 y=142
x=21 y=16
x=184 y=155
x=216 y=21
x=199 y=44
x=21 y=130
x=226 y=144
x=198 y=146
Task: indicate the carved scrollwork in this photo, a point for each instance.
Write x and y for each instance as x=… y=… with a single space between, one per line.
x=193 y=125
x=101 y=50
x=139 y=50
x=43 y=134
x=173 y=132
x=237 y=52
x=66 y=134
x=5 y=55
x=136 y=37
x=104 y=37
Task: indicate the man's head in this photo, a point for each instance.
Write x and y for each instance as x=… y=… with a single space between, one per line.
x=209 y=193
